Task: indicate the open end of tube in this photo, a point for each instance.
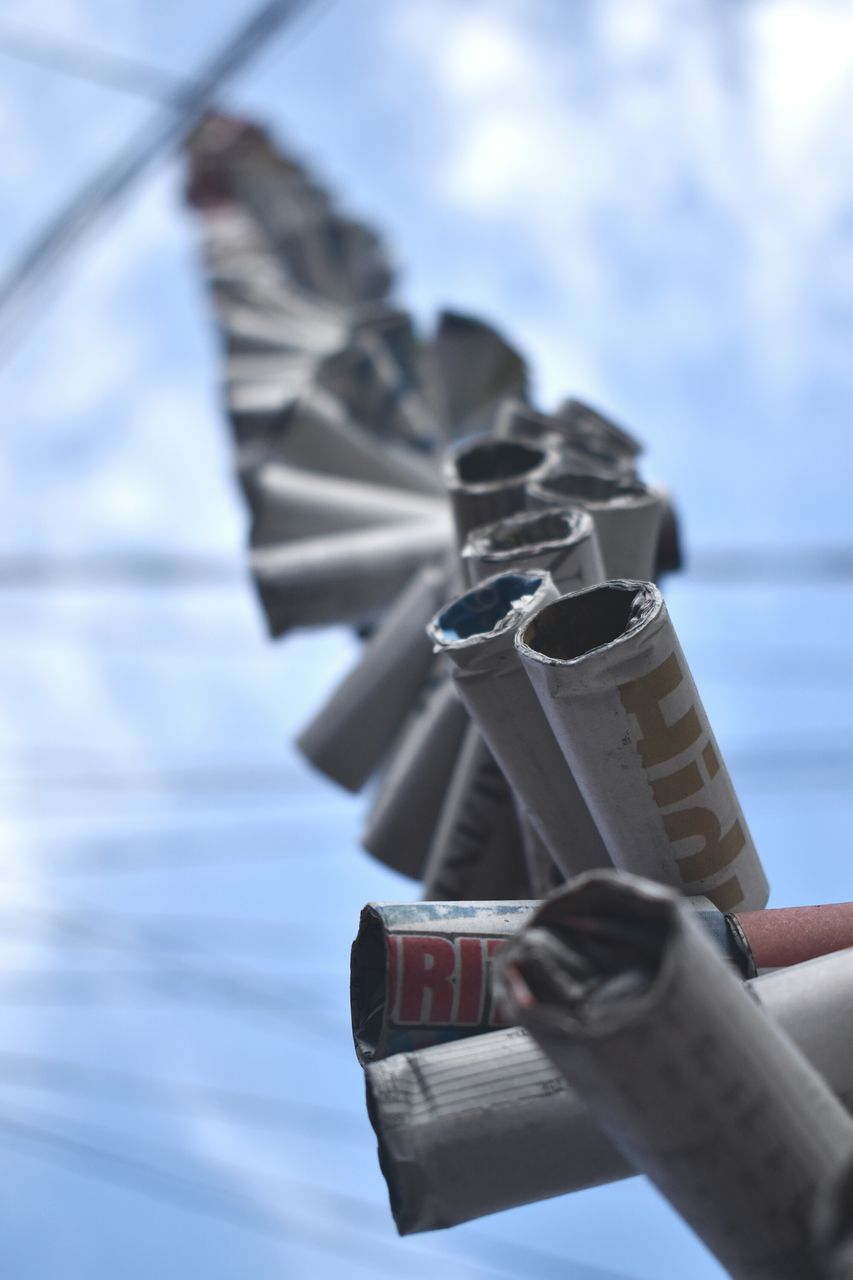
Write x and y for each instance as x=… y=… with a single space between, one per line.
x=368 y=985
x=483 y=610
x=592 y=963
x=591 y=488
x=494 y=460
x=577 y=624
x=531 y=530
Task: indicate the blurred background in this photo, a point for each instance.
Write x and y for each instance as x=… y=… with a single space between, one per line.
x=654 y=201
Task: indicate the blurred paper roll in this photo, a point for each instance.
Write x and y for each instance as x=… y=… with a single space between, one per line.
x=476 y=632
x=614 y=684
x=314 y=433
x=582 y=451
x=487 y=479
x=833 y=1226
x=408 y=804
x=343 y=577
x=587 y=426
x=351 y=735
x=477 y=850
x=561 y=541
x=288 y=504
x=689 y=1078
x=627 y=515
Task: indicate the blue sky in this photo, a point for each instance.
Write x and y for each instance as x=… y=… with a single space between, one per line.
x=654 y=201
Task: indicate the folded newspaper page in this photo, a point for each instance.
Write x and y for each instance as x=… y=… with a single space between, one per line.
x=402 y=820
x=477 y=850
x=353 y=732
x=693 y=1082
x=611 y=678
x=561 y=541
x=476 y=632
x=487 y=479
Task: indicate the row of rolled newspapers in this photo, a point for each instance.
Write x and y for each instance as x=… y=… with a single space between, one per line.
x=593 y=987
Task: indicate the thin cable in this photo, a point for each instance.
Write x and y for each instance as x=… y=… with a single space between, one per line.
x=97 y=66
x=65 y=231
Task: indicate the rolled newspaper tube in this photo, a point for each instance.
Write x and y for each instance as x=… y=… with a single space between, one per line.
x=343 y=577
x=313 y=433
x=611 y=677
x=287 y=503
x=585 y=452
x=694 y=1083
x=833 y=1227
x=487 y=479
x=476 y=633
x=421 y=972
x=477 y=850
x=352 y=733
x=407 y=807
x=586 y=424
x=489 y=1123
x=562 y=541
x=784 y=936
x=627 y=515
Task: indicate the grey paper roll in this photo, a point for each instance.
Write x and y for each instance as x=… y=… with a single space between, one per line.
x=403 y=817
x=561 y=540
x=627 y=515
x=477 y=850
x=343 y=577
x=476 y=633
x=351 y=735
x=614 y=684
x=693 y=1083
x=487 y=479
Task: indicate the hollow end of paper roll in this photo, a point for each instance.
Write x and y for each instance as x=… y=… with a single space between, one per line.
x=584 y=622
x=593 y=955
x=368 y=985
x=591 y=487
x=490 y=464
x=530 y=531
x=488 y=610
x=408 y=1187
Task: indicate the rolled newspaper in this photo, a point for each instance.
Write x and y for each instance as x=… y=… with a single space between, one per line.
x=478 y=849
x=343 y=577
x=488 y=1123
x=516 y=420
x=611 y=678
x=693 y=1083
x=476 y=633
x=315 y=434
x=288 y=504
x=407 y=807
x=353 y=732
x=562 y=541
x=421 y=972
x=627 y=515
x=833 y=1227
x=487 y=479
